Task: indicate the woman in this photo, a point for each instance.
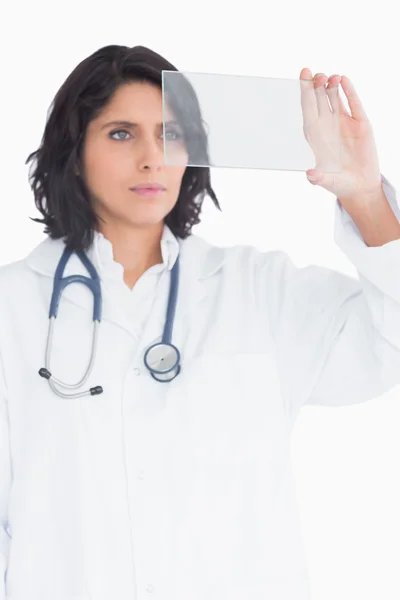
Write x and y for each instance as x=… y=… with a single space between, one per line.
x=178 y=489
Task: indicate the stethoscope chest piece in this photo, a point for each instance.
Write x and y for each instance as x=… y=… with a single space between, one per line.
x=162 y=360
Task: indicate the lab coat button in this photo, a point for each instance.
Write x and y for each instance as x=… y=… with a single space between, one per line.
x=136 y=371
x=150 y=588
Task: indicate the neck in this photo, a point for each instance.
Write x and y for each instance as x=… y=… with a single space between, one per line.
x=135 y=249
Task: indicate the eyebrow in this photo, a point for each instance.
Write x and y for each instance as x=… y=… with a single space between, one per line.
x=133 y=125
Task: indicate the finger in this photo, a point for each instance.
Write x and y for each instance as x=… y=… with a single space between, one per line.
x=320 y=79
x=335 y=99
x=357 y=109
x=308 y=100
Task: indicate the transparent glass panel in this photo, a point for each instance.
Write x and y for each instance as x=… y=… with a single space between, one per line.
x=212 y=120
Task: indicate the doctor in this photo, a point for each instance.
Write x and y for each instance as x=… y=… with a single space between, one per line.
x=179 y=490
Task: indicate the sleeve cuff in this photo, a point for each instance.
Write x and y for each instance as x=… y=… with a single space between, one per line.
x=380 y=265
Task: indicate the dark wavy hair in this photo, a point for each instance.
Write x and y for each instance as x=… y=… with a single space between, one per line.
x=60 y=196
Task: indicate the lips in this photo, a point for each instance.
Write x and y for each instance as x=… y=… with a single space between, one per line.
x=148 y=186
x=148 y=190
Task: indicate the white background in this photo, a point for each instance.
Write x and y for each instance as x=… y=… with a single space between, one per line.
x=346 y=460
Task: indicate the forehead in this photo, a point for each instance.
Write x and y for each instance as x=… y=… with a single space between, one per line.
x=137 y=101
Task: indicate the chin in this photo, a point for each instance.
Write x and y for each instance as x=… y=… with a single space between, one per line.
x=142 y=215
x=149 y=220
x=151 y=214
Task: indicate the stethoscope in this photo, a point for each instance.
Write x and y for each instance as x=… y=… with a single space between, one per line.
x=161 y=359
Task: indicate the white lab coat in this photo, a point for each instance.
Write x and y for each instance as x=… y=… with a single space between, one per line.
x=181 y=490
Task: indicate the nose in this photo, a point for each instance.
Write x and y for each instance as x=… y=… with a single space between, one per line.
x=150 y=154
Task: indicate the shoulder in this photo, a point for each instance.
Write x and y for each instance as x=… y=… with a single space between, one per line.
x=17 y=285
x=275 y=276
x=13 y=272
x=209 y=257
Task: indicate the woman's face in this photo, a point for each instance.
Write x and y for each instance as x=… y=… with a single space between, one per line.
x=118 y=157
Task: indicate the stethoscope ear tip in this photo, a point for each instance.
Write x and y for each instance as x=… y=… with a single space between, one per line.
x=95 y=391
x=44 y=373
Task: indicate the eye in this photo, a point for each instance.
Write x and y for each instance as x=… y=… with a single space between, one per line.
x=118 y=131
x=175 y=135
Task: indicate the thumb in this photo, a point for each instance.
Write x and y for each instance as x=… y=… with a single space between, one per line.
x=314 y=176
x=325 y=180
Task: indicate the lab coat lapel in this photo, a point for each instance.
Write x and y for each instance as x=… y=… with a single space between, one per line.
x=44 y=260
x=199 y=260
